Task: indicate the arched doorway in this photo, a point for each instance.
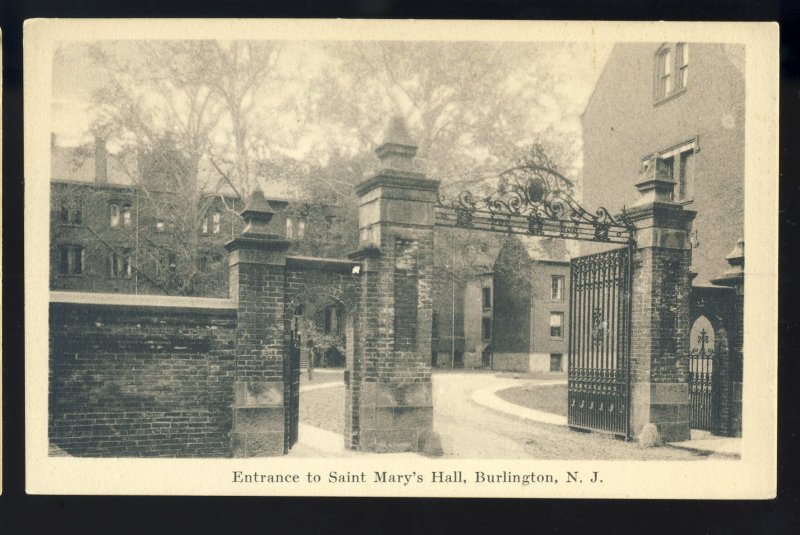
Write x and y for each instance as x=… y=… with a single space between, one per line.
x=320 y=329
x=705 y=370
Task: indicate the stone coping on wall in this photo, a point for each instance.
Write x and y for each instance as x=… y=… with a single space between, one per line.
x=140 y=300
x=313 y=262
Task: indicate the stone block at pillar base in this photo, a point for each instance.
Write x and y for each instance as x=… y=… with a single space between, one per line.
x=258 y=419
x=257 y=444
x=665 y=405
x=394 y=417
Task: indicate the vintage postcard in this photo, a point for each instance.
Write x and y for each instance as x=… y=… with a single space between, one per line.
x=401 y=258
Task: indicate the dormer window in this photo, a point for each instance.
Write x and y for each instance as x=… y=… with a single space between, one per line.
x=671 y=70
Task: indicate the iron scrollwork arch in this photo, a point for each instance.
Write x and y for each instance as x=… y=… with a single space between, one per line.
x=535 y=200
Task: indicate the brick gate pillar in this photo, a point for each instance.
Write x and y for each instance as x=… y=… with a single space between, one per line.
x=731 y=367
x=660 y=311
x=257 y=263
x=392 y=376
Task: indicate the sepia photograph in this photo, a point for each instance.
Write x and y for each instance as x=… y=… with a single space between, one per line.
x=351 y=249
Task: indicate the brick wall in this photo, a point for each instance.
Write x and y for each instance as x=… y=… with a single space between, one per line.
x=141 y=379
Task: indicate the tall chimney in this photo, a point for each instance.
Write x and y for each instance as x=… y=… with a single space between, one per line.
x=100 y=160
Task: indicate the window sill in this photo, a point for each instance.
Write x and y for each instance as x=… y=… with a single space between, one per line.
x=674 y=94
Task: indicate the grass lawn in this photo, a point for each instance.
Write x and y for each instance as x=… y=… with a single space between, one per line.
x=552 y=398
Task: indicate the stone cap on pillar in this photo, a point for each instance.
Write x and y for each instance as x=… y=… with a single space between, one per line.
x=654 y=187
x=257 y=232
x=396 y=168
x=734 y=275
x=398 y=151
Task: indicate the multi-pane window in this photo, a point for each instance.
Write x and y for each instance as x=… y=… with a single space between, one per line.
x=556 y=324
x=555 y=361
x=70 y=260
x=204 y=225
x=682 y=56
x=216 y=219
x=289 y=228
x=114 y=214
x=126 y=215
x=121 y=265
x=672 y=70
x=677 y=164
x=664 y=73
x=301 y=229
x=202 y=263
x=70 y=215
x=487 y=298
x=486 y=329
x=557 y=287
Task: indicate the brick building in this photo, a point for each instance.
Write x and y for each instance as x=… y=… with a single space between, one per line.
x=509 y=311
x=676 y=111
x=678 y=107
x=116 y=229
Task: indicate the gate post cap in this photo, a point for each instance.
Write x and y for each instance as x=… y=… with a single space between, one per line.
x=654 y=187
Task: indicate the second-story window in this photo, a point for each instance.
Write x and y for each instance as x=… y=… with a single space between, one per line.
x=126 y=215
x=121 y=265
x=677 y=163
x=556 y=325
x=487 y=298
x=557 y=288
x=70 y=215
x=301 y=229
x=70 y=260
x=202 y=263
x=216 y=220
x=114 y=214
x=289 y=228
x=204 y=225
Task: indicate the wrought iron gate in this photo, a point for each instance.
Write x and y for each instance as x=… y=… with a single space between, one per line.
x=703 y=385
x=292 y=373
x=599 y=342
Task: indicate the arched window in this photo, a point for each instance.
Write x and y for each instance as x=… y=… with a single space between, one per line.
x=671 y=70
x=664 y=73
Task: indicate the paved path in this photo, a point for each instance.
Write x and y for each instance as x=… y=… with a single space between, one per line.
x=474 y=424
x=487 y=397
